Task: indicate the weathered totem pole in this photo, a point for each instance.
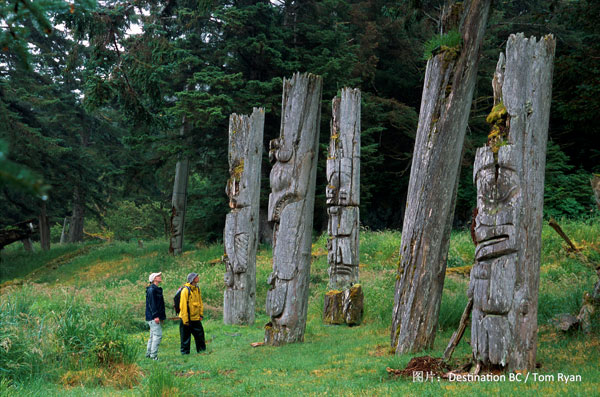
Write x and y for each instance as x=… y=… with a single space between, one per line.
x=241 y=224
x=78 y=217
x=447 y=95
x=178 y=200
x=509 y=175
x=595 y=182
x=291 y=207
x=343 y=302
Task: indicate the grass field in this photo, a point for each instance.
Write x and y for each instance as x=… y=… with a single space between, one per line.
x=72 y=323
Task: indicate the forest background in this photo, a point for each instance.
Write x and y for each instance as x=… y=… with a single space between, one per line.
x=93 y=94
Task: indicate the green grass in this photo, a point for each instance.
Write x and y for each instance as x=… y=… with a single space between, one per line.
x=77 y=327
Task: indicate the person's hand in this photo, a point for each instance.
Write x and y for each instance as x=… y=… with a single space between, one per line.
x=201 y=318
x=157 y=320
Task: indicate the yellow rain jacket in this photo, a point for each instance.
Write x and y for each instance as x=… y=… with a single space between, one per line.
x=195 y=309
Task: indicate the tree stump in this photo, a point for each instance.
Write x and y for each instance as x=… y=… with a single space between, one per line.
x=343 y=198
x=291 y=207
x=353 y=305
x=333 y=307
x=447 y=95
x=344 y=306
x=241 y=224
x=509 y=175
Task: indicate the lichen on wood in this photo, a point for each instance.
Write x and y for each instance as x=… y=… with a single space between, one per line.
x=510 y=184
x=343 y=198
x=241 y=224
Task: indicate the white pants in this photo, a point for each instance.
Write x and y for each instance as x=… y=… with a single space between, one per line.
x=155 y=337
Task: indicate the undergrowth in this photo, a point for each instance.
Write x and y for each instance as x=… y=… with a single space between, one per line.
x=79 y=329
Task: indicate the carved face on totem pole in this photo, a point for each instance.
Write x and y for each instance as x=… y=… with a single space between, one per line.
x=339 y=181
x=343 y=243
x=499 y=200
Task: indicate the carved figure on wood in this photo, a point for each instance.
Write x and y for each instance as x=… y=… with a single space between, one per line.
x=509 y=176
x=343 y=198
x=241 y=224
x=291 y=209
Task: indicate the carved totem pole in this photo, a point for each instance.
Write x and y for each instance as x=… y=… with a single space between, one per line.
x=291 y=207
x=241 y=224
x=509 y=175
x=178 y=200
x=344 y=300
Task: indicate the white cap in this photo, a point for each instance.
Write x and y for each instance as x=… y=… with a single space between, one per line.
x=153 y=276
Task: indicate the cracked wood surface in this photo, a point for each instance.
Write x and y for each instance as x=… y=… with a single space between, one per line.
x=343 y=190
x=447 y=95
x=510 y=197
x=241 y=224
x=291 y=207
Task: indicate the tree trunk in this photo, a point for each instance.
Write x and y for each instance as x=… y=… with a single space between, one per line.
x=509 y=175
x=447 y=94
x=178 y=201
x=241 y=224
x=44 y=227
x=343 y=199
x=63 y=234
x=76 y=224
x=291 y=207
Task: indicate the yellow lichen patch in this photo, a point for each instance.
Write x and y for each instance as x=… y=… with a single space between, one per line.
x=498 y=113
x=499 y=119
x=333 y=292
x=237 y=170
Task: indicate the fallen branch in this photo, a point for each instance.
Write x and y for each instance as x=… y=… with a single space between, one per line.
x=562 y=234
x=458 y=334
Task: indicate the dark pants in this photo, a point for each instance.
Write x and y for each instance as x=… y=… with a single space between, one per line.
x=186 y=331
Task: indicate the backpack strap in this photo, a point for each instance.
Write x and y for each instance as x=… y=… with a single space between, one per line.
x=188 y=302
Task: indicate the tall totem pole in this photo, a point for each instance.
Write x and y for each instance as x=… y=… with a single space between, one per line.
x=241 y=224
x=509 y=175
x=343 y=302
x=291 y=207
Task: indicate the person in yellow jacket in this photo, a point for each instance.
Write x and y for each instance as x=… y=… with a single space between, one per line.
x=191 y=312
